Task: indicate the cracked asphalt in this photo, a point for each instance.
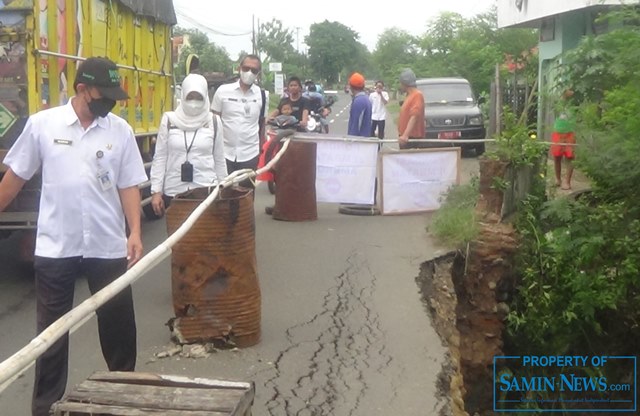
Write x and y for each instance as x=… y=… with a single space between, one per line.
x=344 y=331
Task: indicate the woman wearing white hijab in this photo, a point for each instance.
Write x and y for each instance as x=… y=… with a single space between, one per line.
x=189 y=148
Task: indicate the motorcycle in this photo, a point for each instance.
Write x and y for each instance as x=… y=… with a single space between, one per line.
x=317 y=118
x=278 y=131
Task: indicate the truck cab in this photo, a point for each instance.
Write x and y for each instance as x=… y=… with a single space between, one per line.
x=41 y=45
x=452 y=112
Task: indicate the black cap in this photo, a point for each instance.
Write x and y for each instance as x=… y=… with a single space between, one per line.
x=103 y=74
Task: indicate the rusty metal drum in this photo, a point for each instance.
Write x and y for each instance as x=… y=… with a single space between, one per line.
x=296 y=184
x=216 y=295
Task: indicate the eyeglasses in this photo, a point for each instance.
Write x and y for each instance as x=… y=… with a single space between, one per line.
x=248 y=68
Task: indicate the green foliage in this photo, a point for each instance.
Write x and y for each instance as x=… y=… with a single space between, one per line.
x=580 y=260
x=605 y=62
x=514 y=143
x=579 y=289
x=213 y=58
x=396 y=49
x=333 y=47
x=603 y=71
x=275 y=41
x=455 y=223
x=471 y=48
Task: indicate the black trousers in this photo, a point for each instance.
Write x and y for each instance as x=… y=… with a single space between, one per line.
x=248 y=164
x=379 y=124
x=55 y=284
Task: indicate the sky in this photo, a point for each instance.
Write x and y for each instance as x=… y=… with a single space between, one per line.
x=365 y=18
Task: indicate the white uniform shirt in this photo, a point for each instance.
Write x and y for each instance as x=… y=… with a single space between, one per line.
x=378 y=108
x=206 y=155
x=240 y=114
x=78 y=217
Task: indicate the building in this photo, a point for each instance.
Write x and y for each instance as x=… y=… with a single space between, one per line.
x=561 y=24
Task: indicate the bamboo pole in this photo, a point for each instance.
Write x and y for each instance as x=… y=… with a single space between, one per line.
x=18 y=363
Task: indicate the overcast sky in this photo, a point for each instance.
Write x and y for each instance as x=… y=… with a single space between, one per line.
x=365 y=18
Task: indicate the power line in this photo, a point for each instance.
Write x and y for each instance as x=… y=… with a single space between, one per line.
x=207 y=28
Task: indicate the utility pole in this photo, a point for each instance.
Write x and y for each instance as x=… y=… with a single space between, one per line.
x=253 y=34
x=298 y=39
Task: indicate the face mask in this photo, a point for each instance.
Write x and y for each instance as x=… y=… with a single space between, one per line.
x=100 y=107
x=248 y=77
x=192 y=107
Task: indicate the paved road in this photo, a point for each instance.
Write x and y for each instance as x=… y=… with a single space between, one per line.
x=343 y=329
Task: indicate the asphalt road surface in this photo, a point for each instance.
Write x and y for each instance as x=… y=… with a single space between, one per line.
x=343 y=329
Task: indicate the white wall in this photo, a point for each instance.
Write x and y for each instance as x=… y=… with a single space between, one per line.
x=532 y=10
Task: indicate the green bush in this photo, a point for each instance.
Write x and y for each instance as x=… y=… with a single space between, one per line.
x=579 y=260
x=579 y=290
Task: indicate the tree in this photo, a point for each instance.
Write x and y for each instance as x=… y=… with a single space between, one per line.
x=333 y=47
x=275 y=42
x=395 y=49
x=213 y=58
x=471 y=48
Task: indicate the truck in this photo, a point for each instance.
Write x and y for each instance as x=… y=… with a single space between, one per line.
x=41 y=44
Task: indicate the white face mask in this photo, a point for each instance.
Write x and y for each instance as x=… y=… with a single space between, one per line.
x=193 y=107
x=248 y=78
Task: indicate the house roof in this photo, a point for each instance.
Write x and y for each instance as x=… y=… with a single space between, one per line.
x=529 y=13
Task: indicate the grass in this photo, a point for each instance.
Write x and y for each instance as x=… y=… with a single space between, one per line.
x=455 y=223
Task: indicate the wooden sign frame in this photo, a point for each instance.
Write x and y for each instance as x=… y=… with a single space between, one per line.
x=387 y=153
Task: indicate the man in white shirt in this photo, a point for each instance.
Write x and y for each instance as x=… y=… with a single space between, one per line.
x=242 y=106
x=91 y=168
x=379 y=99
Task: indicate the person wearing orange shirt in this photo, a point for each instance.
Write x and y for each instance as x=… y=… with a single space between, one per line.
x=411 y=123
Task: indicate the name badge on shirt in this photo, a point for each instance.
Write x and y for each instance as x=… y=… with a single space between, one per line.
x=105 y=179
x=63 y=141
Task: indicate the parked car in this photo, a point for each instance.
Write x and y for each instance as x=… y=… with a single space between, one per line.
x=452 y=112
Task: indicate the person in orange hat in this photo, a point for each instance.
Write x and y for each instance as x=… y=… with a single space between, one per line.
x=360 y=114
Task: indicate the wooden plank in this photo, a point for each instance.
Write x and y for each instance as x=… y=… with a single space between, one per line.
x=157 y=397
x=152 y=379
x=65 y=409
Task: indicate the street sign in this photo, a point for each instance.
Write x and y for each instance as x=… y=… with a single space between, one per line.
x=7 y=119
x=275 y=66
x=279 y=84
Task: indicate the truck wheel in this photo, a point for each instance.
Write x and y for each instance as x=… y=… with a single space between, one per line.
x=479 y=149
x=272 y=187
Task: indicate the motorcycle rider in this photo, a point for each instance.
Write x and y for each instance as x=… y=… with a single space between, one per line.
x=299 y=103
x=318 y=104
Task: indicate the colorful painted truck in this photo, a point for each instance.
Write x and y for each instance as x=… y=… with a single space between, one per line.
x=41 y=45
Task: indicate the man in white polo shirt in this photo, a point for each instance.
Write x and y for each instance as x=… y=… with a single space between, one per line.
x=242 y=106
x=91 y=167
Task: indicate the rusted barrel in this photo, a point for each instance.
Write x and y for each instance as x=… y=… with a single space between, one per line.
x=216 y=295
x=296 y=184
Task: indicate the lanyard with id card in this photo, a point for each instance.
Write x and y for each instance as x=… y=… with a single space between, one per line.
x=104 y=178
x=186 y=169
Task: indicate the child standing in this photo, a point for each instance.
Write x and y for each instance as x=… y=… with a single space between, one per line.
x=563 y=139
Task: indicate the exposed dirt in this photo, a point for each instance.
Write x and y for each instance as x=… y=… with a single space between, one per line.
x=438 y=293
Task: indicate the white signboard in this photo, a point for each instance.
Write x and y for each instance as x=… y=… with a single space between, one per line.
x=346 y=172
x=279 y=84
x=275 y=66
x=414 y=180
